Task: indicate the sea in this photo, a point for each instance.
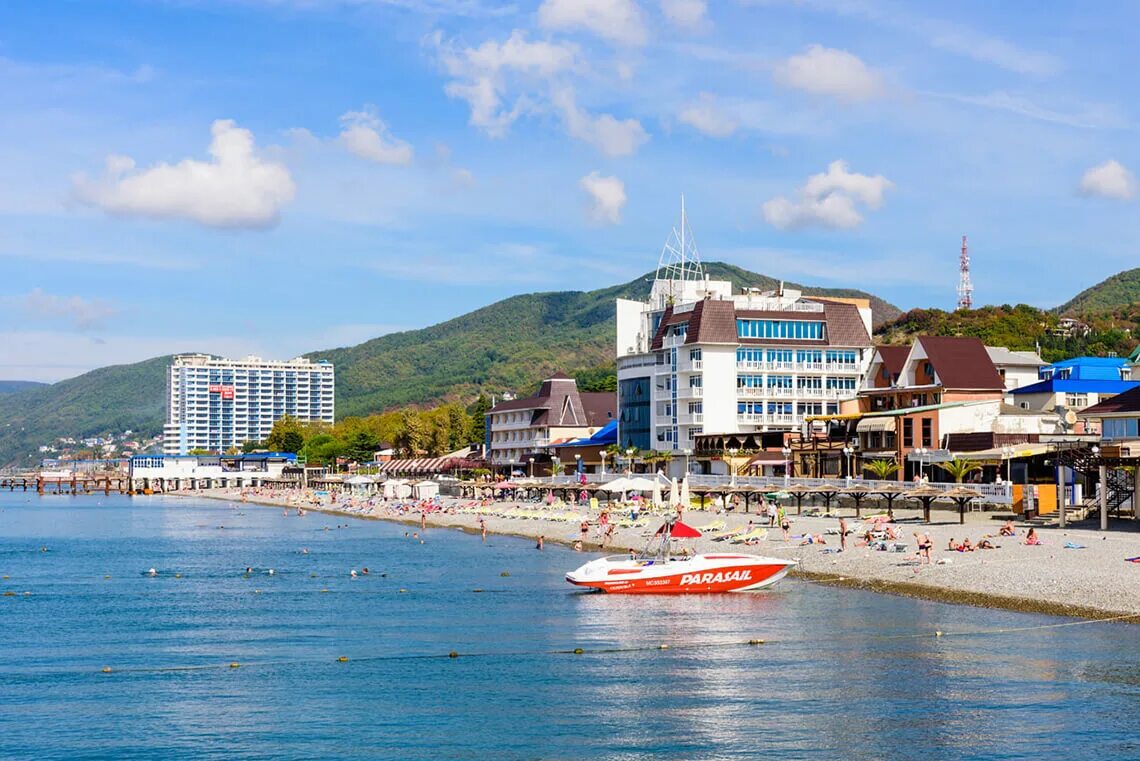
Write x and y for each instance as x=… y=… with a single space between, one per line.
x=452 y=648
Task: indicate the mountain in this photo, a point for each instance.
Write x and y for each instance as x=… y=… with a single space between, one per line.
x=11 y=387
x=1120 y=290
x=108 y=400
x=508 y=346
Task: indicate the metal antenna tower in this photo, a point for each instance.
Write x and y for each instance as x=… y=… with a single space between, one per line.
x=679 y=258
x=965 y=287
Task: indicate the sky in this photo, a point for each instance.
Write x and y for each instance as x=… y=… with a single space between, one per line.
x=283 y=176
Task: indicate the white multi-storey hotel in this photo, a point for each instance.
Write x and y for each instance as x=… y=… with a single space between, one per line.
x=215 y=404
x=697 y=359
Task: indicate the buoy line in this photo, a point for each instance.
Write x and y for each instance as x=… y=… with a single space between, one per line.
x=581 y=651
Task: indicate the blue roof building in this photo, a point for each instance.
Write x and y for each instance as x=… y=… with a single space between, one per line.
x=1088 y=369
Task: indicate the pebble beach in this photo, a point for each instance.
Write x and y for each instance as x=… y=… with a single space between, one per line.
x=1076 y=571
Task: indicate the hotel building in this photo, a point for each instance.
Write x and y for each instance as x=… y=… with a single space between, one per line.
x=215 y=404
x=695 y=359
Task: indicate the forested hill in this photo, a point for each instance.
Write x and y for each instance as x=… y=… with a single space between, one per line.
x=1120 y=290
x=12 y=386
x=509 y=345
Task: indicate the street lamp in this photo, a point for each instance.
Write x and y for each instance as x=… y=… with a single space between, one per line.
x=530 y=473
x=787 y=452
x=731 y=467
x=1007 y=452
x=688 y=454
x=629 y=461
x=577 y=463
x=848 y=451
x=921 y=452
x=556 y=468
x=603 y=454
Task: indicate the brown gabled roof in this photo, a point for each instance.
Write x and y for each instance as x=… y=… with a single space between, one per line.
x=844 y=325
x=527 y=403
x=712 y=322
x=1122 y=404
x=961 y=362
x=893 y=357
x=600 y=406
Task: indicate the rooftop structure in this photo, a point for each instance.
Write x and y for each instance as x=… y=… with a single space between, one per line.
x=965 y=287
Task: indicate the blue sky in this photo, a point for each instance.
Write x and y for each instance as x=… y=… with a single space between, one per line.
x=280 y=176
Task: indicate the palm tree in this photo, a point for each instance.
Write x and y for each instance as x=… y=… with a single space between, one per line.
x=959 y=469
x=882 y=469
x=664 y=458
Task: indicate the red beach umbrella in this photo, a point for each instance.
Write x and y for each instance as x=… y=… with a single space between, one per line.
x=681 y=531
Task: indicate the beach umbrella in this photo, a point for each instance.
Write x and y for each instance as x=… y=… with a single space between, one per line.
x=674 y=493
x=680 y=530
x=686 y=498
x=961 y=496
x=656 y=493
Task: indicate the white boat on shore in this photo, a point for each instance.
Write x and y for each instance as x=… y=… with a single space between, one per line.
x=666 y=572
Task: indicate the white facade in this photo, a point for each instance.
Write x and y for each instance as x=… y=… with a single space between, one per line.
x=696 y=359
x=215 y=404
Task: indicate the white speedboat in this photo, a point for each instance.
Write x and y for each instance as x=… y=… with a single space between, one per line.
x=666 y=572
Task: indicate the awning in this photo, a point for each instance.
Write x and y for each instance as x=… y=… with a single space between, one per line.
x=1016 y=452
x=876 y=425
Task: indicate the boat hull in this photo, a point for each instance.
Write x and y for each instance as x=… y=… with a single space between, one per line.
x=701 y=574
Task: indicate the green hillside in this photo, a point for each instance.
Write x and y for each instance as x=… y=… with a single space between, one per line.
x=509 y=345
x=1118 y=291
x=110 y=399
x=11 y=387
x=1020 y=328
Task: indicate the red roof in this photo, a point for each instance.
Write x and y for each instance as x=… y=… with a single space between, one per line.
x=1121 y=404
x=961 y=362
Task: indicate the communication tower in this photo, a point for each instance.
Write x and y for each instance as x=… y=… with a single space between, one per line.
x=965 y=287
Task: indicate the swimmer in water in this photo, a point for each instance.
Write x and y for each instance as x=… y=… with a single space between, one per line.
x=352 y=573
x=152 y=572
x=304 y=550
x=364 y=570
x=248 y=570
x=271 y=572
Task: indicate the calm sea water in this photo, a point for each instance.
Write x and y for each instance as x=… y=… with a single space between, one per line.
x=839 y=677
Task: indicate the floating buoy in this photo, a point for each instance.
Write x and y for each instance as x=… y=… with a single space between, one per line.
x=505 y=574
x=476 y=590
x=662 y=647
x=9 y=593
x=342 y=659
x=257 y=591
x=6 y=576
x=235 y=665
x=105 y=577
x=312 y=576
x=937 y=634
x=403 y=591
x=106 y=669
x=756 y=642
x=178 y=576
x=323 y=591
x=453 y=654
x=578 y=651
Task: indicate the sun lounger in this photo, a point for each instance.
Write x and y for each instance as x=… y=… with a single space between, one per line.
x=754 y=534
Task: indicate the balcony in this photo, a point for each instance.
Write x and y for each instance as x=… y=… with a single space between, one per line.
x=691 y=392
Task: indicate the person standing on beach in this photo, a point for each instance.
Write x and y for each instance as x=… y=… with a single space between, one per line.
x=842 y=534
x=423 y=520
x=483 y=528
x=924 y=547
x=584 y=530
x=541 y=539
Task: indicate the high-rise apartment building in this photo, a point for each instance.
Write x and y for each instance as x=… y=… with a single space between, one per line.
x=214 y=404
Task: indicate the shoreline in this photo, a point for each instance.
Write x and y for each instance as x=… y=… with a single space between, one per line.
x=1037 y=580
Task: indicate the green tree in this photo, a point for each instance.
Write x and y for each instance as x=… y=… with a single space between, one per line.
x=411 y=435
x=250 y=446
x=959 y=469
x=287 y=435
x=361 y=447
x=478 y=426
x=882 y=469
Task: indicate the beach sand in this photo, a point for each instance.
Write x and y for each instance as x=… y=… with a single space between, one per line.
x=1093 y=582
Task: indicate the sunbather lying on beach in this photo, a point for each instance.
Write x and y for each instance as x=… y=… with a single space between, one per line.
x=1032 y=538
x=812 y=539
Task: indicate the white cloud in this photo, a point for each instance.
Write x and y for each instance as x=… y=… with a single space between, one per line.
x=82 y=313
x=236 y=188
x=366 y=135
x=483 y=76
x=828 y=200
x=826 y=71
x=618 y=21
x=685 y=14
x=611 y=136
x=607 y=197
x=707 y=117
x=1109 y=180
